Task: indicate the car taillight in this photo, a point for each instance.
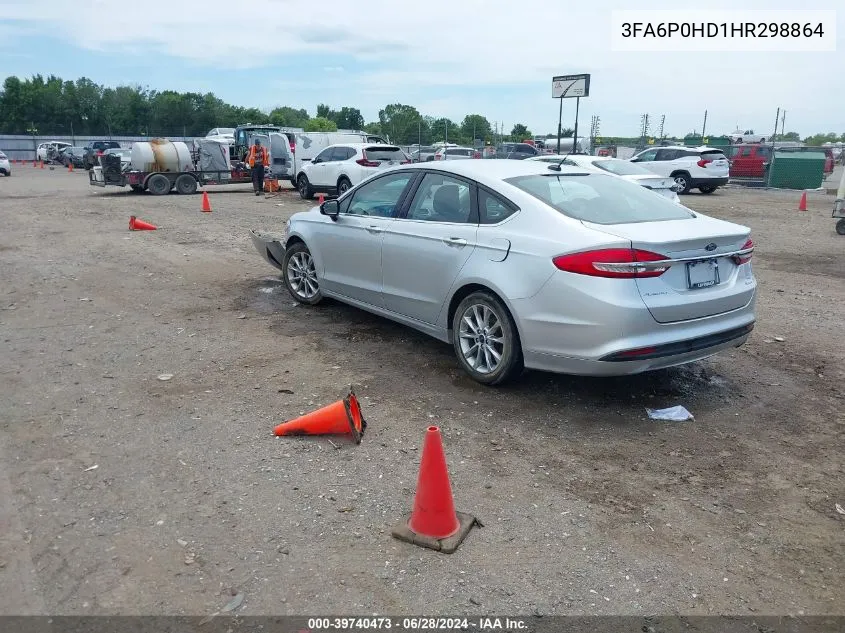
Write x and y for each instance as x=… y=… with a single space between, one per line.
x=406 y=162
x=739 y=260
x=703 y=162
x=476 y=154
x=366 y=163
x=613 y=263
x=292 y=148
x=437 y=157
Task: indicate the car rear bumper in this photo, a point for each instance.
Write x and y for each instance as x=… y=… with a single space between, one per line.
x=708 y=181
x=270 y=246
x=595 y=327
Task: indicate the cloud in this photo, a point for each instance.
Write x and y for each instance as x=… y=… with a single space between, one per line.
x=491 y=56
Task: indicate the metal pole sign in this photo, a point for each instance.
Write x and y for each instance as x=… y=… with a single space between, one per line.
x=566 y=87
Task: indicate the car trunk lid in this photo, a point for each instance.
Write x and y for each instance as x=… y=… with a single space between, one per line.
x=706 y=281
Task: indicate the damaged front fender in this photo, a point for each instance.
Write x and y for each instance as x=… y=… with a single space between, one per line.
x=270 y=246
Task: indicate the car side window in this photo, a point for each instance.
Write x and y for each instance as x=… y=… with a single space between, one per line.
x=746 y=151
x=667 y=154
x=647 y=156
x=764 y=152
x=340 y=153
x=324 y=156
x=493 y=209
x=379 y=197
x=441 y=198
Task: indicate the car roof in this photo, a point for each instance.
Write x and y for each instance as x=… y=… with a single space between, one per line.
x=360 y=145
x=489 y=172
x=454 y=147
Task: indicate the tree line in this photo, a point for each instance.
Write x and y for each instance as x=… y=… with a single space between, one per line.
x=51 y=106
x=54 y=107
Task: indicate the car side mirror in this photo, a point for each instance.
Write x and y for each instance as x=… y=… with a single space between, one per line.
x=635 y=160
x=330 y=208
x=316 y=160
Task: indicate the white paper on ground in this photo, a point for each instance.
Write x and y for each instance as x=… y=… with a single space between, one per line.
x=674 y=414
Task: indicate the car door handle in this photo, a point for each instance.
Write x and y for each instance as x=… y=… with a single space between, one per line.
x=455 y=241
x=375 y=229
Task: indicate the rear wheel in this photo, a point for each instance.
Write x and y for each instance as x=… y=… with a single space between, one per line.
x=186 y=185
x=343 y=185
x=301 y=275
x=485 y=339
x=707 y=188
x=158 y=184
x=305 y=191
x=840 y=227
x=682 y=179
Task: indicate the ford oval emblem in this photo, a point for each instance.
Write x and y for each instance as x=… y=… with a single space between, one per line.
x=710 y=247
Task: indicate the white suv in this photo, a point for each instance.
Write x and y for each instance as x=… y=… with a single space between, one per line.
x=340 y=167
x=702 y=168
x=5 y=165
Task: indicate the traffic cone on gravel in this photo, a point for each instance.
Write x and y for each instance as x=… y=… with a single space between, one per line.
x=802 y=206
x=206 y=203
x=341 y=418
x=320 y=198
x=70 y=167
x=434 y=522
x=42 y=164
x=139 y=225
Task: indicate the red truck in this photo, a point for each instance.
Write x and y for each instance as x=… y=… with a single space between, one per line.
x=749 y=160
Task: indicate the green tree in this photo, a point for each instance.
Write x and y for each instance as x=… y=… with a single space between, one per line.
x=446 y=130
x=819 y=139
x=349 y=118
x=320 y=124
x=286 y=116
x=401 y=123
x=475 y=126
x=520 y=132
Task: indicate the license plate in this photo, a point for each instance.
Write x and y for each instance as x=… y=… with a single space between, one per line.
x=702 y=274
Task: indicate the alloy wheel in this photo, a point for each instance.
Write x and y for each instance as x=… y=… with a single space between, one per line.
x=482 y=339
x=302 y=275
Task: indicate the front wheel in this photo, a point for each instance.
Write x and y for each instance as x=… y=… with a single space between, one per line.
x=305 y=191
x=485 y=339
x=707 y=189
x=300 y=275
x=343 y=185
x=840 y=227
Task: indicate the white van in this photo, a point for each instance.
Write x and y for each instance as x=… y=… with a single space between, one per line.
x=308 y=144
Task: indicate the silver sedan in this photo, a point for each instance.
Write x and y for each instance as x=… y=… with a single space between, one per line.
x=525 y=264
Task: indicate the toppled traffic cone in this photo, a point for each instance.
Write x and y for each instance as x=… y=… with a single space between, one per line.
x=206 y=203
x=341 y=418
x=802 y=206
x=139 y=225
x=434 y=522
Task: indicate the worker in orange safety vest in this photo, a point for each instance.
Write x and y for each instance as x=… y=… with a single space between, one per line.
x=258 y=159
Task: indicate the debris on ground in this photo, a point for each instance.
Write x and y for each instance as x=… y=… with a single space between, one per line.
x=672 y=414
x=94 y=467
x=233 y=604
x=840 y=509
x=165 y=377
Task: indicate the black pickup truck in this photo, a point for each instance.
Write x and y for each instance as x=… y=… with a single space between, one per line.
x=95 y=149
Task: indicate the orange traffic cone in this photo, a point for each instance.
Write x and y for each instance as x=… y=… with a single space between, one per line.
x=320 y=198
x=434 y=522
x=35 y=163
x=206 y=203
x=802 y=206
x=42 y=164
x=70 y=167
x=140 y=225
x=341 y=418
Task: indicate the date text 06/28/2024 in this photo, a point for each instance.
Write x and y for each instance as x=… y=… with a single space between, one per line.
x=316 y=625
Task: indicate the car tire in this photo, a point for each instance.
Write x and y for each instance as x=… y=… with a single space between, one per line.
x=158 y=185
x=343 y=185
x=186 y=185
x=707 y=188
x=682 y=179
x=300 y=275
x=304 y=187
x=500 y=337
x=840 y=227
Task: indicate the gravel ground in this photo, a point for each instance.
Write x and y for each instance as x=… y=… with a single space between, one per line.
x=124 y=494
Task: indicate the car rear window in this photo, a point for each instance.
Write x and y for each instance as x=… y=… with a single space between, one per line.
x=385 y=153
x=714 y=155
x=599 y=198
x=524 y=148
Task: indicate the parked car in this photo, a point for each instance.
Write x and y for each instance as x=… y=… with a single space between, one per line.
x=456 y=153
x=95 y=149
x=422 y=154
x=5 y=165
x=527 y=264
x=222 y=134
x=49 y=151
x=748 y=161
x=338 y=168
x=73 y=154
x=516 y=151
x=703 y=168
x=624 y=169
x=747 y=136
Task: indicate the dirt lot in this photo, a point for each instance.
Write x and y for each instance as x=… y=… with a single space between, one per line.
x=121 y=493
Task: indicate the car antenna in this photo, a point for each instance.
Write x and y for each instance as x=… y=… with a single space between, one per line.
x=556 y=166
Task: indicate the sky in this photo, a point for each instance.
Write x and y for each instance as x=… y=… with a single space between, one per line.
x=445 y=57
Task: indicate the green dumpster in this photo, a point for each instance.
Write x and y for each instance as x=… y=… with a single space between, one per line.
x=796 y=170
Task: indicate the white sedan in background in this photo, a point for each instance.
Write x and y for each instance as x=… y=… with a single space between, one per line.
x=631 y=172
